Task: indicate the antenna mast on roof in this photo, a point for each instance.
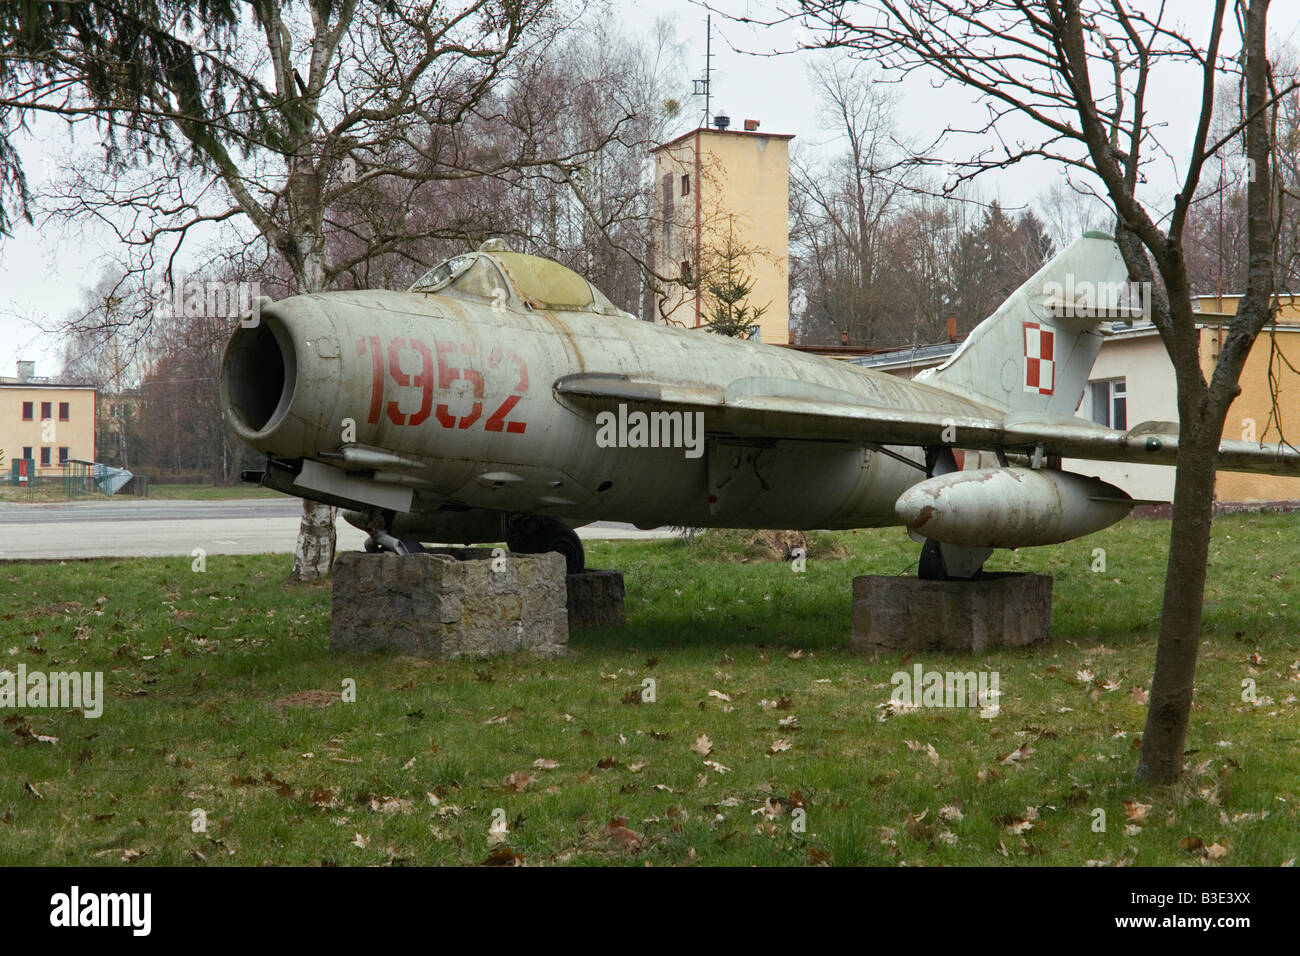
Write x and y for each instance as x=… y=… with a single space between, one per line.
x=702 y=87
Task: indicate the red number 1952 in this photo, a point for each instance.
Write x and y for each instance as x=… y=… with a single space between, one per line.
x=446 y=374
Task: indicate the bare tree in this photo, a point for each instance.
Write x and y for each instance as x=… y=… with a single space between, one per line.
x=844 y=206
x=1076 y=73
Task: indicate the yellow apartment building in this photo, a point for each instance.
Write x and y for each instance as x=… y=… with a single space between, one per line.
x=1253 y=415
x=46 y=423
x=720 y=189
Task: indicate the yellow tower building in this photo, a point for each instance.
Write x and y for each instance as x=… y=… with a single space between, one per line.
x=724 y=196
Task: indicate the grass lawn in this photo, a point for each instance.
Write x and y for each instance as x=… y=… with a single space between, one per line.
x=39 y=493
x=210 y=492
x=53 y=491
x=221 y=696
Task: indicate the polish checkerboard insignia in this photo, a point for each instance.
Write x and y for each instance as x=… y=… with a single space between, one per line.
x=1040 y=363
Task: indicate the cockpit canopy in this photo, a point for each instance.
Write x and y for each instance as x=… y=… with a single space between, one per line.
x=501 y=276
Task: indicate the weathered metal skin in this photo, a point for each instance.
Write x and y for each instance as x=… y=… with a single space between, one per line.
x=553 y=465
x=504 y=384
x=1011 y=507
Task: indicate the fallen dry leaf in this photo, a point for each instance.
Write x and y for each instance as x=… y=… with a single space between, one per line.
x=703 y=745
x=777 y=746
x=1137 y=812
x=1023 y=752
x=518 y=781
x=915 y=826
x=617 y=832
x=503 y=856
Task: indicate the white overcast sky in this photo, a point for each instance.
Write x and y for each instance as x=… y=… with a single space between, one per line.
x=44 y=273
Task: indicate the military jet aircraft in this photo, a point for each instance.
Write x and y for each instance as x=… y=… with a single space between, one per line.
x=503 y=397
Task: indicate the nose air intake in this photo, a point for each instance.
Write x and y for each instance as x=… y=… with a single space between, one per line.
x=281 y=379
x=258 y=375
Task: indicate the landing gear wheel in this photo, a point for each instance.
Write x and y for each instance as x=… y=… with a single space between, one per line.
x=380 y=539
x=566 y=541
x=526 y=534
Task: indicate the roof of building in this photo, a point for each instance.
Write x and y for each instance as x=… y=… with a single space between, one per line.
x=14 y=383
x=720 y=132
x=834 y=351
x=913 y=355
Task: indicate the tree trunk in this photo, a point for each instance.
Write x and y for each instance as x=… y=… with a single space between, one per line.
x=313 y=557
x=1165 y=734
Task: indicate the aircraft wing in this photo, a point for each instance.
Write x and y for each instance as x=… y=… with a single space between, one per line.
x=744 y=410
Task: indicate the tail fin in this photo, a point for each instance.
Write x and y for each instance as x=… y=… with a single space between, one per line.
x=1033 y=355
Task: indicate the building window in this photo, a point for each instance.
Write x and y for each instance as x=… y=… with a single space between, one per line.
x=687 y=277
x=668 y=199
x=27 y=452
x=1110 y=403
x=63 y=412
x=27 y=413
x=45 y=456
x=47 y=411
x=686 y=184
x=63 y=455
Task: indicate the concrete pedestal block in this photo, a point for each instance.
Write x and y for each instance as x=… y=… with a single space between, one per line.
x=903 y=613
x=596 y=599
x=433 y=605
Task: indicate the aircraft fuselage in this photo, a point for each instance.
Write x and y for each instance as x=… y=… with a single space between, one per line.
x=462 y=393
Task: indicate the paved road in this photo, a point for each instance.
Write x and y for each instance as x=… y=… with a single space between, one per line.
x=143 y=528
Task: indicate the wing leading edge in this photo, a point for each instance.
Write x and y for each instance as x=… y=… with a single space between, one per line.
x=743 y=410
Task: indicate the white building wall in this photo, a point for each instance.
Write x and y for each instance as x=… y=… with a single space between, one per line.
x=1143 y=363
